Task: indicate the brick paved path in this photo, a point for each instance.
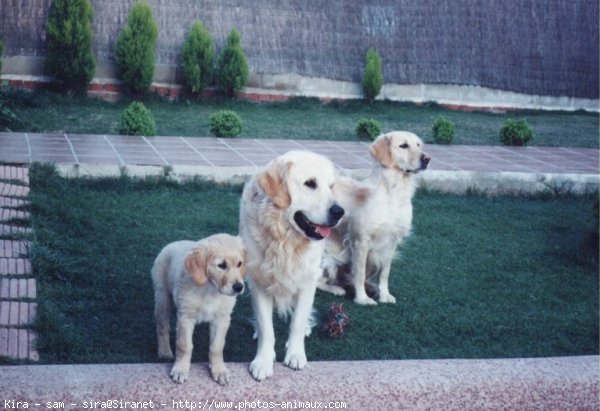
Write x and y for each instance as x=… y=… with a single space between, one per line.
x=18 y=290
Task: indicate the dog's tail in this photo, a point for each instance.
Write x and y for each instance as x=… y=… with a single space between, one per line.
x=163 y=303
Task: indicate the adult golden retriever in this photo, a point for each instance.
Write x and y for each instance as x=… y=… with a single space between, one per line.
x=201 y=279
x=378 y=216
x=286 y=211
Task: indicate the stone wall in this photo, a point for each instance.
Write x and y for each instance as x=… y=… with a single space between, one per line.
x=531 y=47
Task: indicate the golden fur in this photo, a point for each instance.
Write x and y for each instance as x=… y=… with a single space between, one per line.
x=201 y=280
x=293 y=192
x=378 y=217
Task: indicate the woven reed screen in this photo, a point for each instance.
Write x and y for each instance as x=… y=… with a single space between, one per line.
x=547 y=47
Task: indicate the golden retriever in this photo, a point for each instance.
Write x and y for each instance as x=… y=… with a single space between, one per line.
x=201 y=279
x=286 y=211
x=379 y=216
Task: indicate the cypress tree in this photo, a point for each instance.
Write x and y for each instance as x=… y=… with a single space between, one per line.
x=372 y=77
x=197 y=54
x=233 y=66
x=135 y=49
x=69 y=59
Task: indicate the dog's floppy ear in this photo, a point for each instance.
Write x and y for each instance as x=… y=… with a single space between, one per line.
x=273 y=181
x=381 y=150
x=196 y=264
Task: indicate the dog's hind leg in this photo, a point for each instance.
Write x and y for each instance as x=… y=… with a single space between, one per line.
x=163 y=307
x=359 y=271
x=384 y=275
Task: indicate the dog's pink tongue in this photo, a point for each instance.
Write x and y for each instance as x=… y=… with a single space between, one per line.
x=324 y=231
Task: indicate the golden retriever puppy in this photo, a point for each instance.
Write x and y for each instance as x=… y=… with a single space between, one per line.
x=201 y=281
x=286 y=211
x=378 y=216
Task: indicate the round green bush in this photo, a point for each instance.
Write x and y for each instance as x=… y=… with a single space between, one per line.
x=134 y=50
x=225 y=123
x=515 y=133
x=367 y=128
x=137 y=120
x=443 y=131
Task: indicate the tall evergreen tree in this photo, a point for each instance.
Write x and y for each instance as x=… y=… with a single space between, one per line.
x=233 y=72
x=69 y=58
x=198 y=54
x=135 y=49
x=372 y=77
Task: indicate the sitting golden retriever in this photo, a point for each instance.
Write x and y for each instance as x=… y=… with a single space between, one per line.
x=201 y=279
x=378 y=217
x=286 y=211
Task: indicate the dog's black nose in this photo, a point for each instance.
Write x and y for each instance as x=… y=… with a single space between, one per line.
x=336 y=212
x=425 y=159
x=238 y=287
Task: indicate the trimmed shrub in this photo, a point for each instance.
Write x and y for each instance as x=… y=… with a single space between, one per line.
x=70 y=59
x=233 y=66
x=515 y=133
x=197 y=54
x=367 y=128
x=137 y=120
x=225 y=123
x=372 y=78
x=443 y=131
x=135 y=49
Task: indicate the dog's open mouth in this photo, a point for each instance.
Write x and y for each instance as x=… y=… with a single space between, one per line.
x=311 y=230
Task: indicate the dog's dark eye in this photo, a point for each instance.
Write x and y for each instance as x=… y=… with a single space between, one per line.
x=312 y=183
x=223 y=265
x=239 y=264
x=404 y=145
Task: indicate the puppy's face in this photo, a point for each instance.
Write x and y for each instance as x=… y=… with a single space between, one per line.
x=400 y=150
x=219 y=260
x=301 y=184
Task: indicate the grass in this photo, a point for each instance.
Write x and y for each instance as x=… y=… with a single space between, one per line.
x=47 y=112
x=478 y=278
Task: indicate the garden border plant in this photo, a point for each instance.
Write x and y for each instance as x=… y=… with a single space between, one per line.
x=134 y=49
x=70 y=59
x=137 y=120
x=233 y=72
x=197 y=57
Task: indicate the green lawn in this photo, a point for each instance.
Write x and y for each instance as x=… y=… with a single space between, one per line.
x=479 y=277
x=49 y=112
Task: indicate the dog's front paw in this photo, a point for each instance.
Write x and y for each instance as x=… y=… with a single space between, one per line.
x=387 y=298
x=364 y=300
x=261 y=368
x=295 y=360
x=180 y=373
x=220 y=375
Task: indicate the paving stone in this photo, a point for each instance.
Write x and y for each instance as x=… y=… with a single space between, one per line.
x=13 y=248
x=15 y=266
